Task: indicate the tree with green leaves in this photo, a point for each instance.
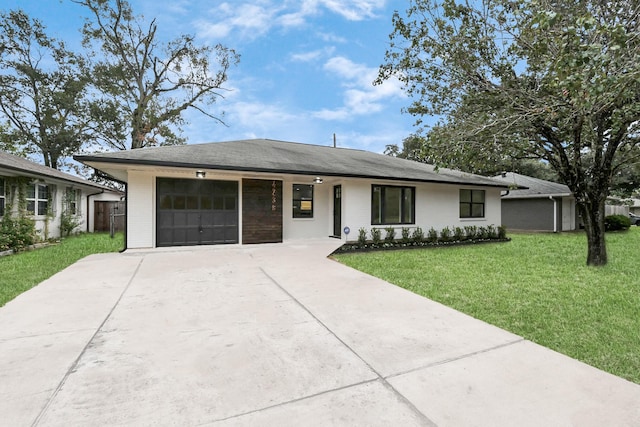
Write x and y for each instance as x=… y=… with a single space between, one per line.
x=42 y=91
x=144 y=84
x=546 y=79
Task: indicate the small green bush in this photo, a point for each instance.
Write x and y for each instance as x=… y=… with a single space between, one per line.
x=391 y=234
x=16 y=233
x=362 y=236
x=375 y=236
x=458 y=234
x=418 y=235
x=432 y=235
x=68 y=224
x=502 y=232
x=406 y=234
x=445 y=234
x=471 y=231
x=616 y=223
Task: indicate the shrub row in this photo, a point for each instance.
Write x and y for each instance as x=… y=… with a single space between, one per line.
x=382 y=238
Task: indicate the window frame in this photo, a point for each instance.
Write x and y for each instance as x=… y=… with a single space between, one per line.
x=72 y=205
x=402 y=214
x=470 y=204
x=37 y=199
x=296 y=202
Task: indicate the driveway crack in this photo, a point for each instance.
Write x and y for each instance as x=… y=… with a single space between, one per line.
x=380 y=378
x=73 y=366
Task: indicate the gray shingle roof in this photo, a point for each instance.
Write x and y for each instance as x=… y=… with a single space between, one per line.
x=20 y=166
x=265 y=155
x=535 y=187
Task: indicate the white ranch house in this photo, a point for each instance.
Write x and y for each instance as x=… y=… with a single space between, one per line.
x=49 y=193
x=259 y=191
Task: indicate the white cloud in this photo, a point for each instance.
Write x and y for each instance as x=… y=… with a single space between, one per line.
x=360 y=97
x=312 y=55
x=252 y=19
x=244 y=20
x=354 y=10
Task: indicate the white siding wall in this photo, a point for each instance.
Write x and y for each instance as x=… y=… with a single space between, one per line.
x=437 y=206
x=141 y=210
x=304 y=228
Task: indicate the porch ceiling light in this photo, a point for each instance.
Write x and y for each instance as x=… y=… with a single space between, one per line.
x=317 y=180
x=200 y=174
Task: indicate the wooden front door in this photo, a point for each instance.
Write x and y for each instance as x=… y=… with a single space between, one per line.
x=261 y=211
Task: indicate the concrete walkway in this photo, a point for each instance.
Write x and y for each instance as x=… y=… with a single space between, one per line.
x=275 y=335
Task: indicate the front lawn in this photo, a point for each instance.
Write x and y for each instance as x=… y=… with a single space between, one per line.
x=536 y=286
x=22 y=271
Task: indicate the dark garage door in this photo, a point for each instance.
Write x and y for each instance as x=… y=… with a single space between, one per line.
x=196 y=212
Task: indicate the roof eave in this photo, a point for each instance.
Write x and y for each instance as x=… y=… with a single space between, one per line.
x=36 y=174
x=182 y=165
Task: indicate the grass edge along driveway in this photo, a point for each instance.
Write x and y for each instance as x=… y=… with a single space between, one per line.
x=24 y=270
x=537 y=286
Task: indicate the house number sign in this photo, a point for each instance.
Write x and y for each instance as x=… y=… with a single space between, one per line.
x=273 y=196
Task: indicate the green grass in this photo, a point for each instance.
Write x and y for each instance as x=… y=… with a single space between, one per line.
x=536 y=286
x=22 y=271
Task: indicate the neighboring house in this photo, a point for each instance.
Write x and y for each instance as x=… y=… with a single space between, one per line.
x=540 y=206
x=258 y=191
x=49 y=193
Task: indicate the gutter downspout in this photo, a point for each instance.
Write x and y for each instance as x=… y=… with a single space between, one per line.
x=126 y=203
x=555 y=214
x=88 y=196
x=126 y=217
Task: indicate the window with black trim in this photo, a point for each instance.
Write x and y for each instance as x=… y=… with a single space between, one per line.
x=2 y=196
x=302 y=201
x=37 y=199
x=392 y=205
x=471 y=203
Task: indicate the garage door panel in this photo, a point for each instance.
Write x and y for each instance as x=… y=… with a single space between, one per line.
x=165 y=219
x=196 y=212
x=193 y=236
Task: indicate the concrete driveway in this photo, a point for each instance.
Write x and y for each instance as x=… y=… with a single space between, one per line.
x=275 y=335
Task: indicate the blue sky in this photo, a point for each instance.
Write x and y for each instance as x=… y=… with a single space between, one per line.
x=306 y=67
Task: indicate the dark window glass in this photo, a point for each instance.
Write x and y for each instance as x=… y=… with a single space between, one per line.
x=165 y=202
x=392 y=205
x=472 y=203
x=302 y=201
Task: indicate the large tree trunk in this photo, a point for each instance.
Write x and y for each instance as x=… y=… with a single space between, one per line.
x=593 y=217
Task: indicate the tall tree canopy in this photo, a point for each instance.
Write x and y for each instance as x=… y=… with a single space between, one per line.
x=145 y=85
x=553 y=80
x=42 y=91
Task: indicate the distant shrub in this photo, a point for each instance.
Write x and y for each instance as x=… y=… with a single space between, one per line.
x=362 y=236
x=458 y=234
x=432 y=235
x=406 y=233
x=502 y=232
x=445 y=234
x=375 y=236
x=470 y=231
x=418 y=235
x=16 y=233
x=391 y=234
x=616 y=223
